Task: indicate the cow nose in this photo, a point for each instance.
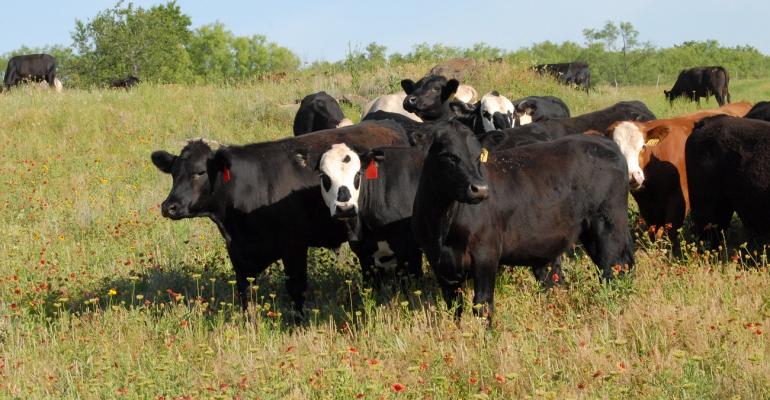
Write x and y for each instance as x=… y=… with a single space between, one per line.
x=635 y=179
x=343 y=195
x=170 y=209
x=478 y=191
x=344 y=211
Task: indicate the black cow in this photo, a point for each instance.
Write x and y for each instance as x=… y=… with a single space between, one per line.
x=538 y=108
x=373 y=192
x=265 y=198
x=728 y=170
x=571 y=73
x=553 y=129
x=318 y=111
x=475 y=210
x=125 y=83
x=33 y=67
x=429 y=98
x=698 y=82
x=760 y=110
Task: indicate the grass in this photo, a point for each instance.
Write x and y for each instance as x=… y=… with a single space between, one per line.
x=100 y=297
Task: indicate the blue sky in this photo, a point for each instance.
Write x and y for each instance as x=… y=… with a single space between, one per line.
x=324 y=29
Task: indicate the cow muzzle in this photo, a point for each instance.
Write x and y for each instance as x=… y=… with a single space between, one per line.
x=477 y=192
x=172 y=210
x=345 y=211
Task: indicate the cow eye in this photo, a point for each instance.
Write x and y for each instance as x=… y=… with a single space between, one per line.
x=437 y=89
x=451 y=157
x=200 y=173
x=357 y=181
x=326 y=181
x=486 y=115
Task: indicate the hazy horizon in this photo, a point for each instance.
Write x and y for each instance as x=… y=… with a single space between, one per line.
x=325 y=31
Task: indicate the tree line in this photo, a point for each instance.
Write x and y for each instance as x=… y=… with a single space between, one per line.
x=158 y=44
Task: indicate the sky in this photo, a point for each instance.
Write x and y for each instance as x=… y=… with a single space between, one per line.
x=325 y=30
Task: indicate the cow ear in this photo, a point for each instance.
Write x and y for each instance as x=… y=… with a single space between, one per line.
x=490 y=140
x=655 y=135
x=163 y=160
x=462 y=109
x=593 y=132
x=421 y=138
x=218 y=163
x=377 y=155
x=408 y=86
x=302 y=158
x=450 y=89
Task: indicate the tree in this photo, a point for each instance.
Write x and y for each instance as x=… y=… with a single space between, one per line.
x=126 y=40
x=623 y=40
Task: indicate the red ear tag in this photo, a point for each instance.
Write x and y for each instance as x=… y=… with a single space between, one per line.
x=371 y=170
x=226 y=175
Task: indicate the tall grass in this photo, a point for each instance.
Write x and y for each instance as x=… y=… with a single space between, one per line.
x=100 y=297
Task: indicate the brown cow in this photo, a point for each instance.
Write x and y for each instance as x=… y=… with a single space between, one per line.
x=654 y=151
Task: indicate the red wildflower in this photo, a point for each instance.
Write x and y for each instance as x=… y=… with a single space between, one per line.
x=581 y=385
x=555 y=277
x=500 y=378
x=353 y=350
x=472 y=380
x=398 y=387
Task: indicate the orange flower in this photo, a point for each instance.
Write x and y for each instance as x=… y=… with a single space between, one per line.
x=555 y=277
x=353 y=350
x=499 y=378
x=472 y=380
x=398 y=387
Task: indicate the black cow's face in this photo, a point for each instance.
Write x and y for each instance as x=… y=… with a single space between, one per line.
x=454 y=163
x=191 y=188
x=427 y=97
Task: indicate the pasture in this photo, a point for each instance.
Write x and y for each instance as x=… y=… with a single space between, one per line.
x=101 y=297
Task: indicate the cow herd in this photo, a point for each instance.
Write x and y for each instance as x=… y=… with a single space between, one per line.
x=471 y=185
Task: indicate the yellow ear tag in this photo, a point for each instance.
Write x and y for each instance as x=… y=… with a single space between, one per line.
x=484 y=155
x=652 y=142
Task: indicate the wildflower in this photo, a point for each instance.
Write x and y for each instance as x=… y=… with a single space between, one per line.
x=473 y=380
x=112 y=292
x=555 y=277
x=398 y=387
x=499 y=378
x=352 y=350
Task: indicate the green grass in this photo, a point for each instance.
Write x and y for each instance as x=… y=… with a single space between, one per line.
x=100 y=297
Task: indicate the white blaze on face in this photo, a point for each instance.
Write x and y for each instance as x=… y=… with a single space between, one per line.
x=384 y=257
x=492 y=103
x=340 y=178
x=631 y=141
x=525 y=118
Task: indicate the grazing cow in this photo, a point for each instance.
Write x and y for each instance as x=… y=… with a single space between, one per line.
x=319 y=111
x=494 y=111
x=393 y=103
x=265 y=198
x=698 y=82
x=760 y=110
x=571 y=73
x=430 y=97
x=552 y=129
x=654 y=153
x=32 y=67
x=538 y=108
x=728 y=169
x=125 y=83
x=373 y=192
x=475 y=210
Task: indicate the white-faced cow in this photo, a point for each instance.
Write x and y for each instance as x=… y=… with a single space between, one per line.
x=698 y=82
x=654 y=153
x=265 y=198
x=319 y=111
x=476 y=209
x=30 y=67
x=373 y=192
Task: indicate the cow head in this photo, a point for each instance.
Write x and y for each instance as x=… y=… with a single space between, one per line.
x=191 y=172
x=428 y=97
x=523 y=112
x=341 y=173
x=632 y=139
x=496 y=111
x=453 y=166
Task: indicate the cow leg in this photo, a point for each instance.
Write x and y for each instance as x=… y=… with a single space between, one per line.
x=720 y=99
x=451 y=292
x=711 y=218
x=295 y=267
x=366 y=259
x=413 y=263
x=549 y=274
x=484 y=290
